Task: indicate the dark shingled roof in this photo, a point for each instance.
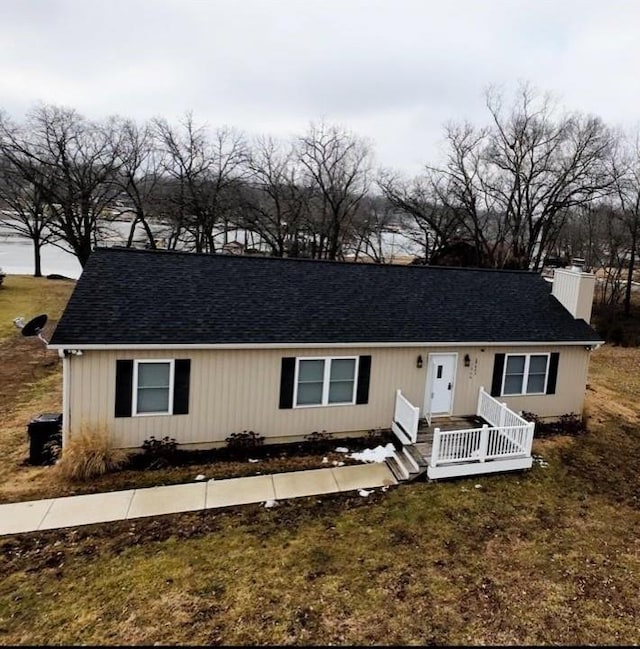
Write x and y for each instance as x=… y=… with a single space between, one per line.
x=159 y=297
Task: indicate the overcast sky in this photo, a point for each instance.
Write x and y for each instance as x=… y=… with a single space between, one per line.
x=391 y=70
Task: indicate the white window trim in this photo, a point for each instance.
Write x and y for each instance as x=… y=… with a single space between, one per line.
x=326 y=381
x=134 y=402
x=527 y=358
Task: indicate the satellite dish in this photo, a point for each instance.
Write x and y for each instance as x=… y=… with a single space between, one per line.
x=34 y=327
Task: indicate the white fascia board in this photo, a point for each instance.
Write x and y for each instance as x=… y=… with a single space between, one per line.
x=324 y=345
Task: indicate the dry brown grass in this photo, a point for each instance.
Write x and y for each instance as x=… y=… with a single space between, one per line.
x=30 y=379
x=89 y=454
x=614 y=383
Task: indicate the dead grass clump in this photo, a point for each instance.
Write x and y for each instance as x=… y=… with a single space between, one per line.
x=89 y=454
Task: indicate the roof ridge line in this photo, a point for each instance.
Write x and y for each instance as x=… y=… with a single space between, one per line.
x=343 y=262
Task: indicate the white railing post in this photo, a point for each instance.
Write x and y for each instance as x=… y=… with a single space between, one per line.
x=503 y=412
x=435 y=449
x=395 y=407
x=484 y=443
x=530 y=435
x=414 y=424
x=480 y=401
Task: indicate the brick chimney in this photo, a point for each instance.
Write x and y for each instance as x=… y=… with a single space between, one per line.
x=573 y=288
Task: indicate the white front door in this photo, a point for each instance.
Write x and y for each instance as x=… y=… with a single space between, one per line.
x=440 y=382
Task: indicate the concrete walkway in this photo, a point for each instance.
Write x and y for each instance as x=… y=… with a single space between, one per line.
x=72 y=511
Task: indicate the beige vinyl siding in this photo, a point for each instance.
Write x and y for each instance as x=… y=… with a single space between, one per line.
x=570 y=385
x=236 y=390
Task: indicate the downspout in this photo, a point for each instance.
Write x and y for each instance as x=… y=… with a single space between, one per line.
x=66 y=380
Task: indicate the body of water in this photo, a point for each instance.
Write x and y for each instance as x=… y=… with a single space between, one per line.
x=16 y=252
x=16 y=258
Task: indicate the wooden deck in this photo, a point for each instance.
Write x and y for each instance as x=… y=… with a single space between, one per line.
x=494 y=439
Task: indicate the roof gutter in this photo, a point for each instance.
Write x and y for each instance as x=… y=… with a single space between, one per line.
x=594 y=344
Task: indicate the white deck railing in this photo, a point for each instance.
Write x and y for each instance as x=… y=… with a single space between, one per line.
x=508 y=436
x=406 y=416
x=480 y=444
x=497 y=413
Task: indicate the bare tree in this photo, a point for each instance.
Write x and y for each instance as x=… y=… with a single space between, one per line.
x=140 y=176
x=337 y=166
x=373 y=225
x=540 y=165
x=599 y=233
x=72 y=162
x=205 y=172
x=431 y=223
x=25 y=199
x=508 y=187
x=625 y=163
x=275 y=199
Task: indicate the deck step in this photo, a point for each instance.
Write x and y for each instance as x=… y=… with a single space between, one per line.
x=409 y=460
x=407 y=464
x=400 y=472
x=418 y=457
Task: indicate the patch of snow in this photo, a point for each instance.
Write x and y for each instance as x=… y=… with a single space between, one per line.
x=253 y=461
x=377 y=454
x=364 y=493
x=199 y=477
x=325 y=460
x=341 y=449
x=336 y=463
x=478 y=486
x=270 y=503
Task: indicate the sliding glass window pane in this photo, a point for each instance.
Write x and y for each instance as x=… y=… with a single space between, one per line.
x=535 y=385
x=153 y=375
x=343 y=369
x=538 y=365
x=310 y=371
x=341 y=392
x=514 y=375
x=153 y=400
x=515 y=365
x=513 y=384
x=309 y=394
x=537 y=374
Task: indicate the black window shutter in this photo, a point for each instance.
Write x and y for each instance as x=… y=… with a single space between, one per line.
x=364 y=374
x=496 y=381
x=124 y=388
x=553 y=373
x=287 y=376
x=182 y=372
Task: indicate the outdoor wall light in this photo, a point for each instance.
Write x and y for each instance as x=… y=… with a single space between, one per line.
x=419 y=362
x=467 y=360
